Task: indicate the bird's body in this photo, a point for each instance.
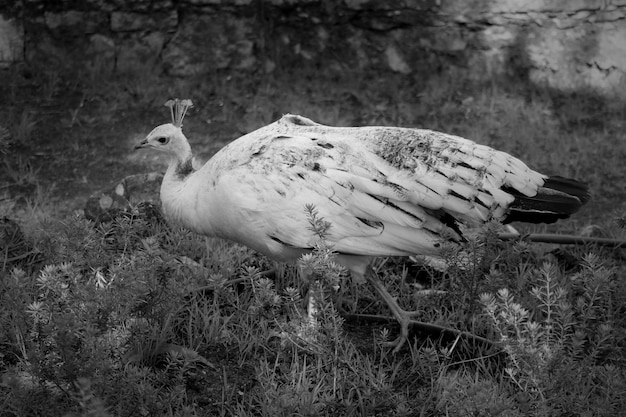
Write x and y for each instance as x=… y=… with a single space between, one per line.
x=385 y=190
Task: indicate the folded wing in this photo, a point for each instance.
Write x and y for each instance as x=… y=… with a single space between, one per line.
x=386 y=191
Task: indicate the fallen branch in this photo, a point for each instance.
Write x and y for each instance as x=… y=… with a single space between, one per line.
x=426 y=327
x=565 y=239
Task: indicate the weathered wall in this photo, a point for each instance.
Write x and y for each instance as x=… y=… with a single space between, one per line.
x=566 y=44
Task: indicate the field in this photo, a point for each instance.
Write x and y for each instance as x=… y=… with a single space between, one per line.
x=134 y=318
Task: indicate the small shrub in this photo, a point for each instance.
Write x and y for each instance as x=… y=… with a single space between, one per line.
x=564 y=334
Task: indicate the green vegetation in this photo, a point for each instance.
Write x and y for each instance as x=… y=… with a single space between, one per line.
x=132 y=317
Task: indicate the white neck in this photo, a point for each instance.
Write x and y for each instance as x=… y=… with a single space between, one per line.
x=178 y=191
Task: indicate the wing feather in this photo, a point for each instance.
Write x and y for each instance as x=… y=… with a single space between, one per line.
x=386 y=191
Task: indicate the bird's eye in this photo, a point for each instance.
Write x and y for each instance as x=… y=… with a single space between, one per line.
x=163 y=140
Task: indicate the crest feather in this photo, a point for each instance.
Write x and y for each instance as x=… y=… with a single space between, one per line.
x=178 y=109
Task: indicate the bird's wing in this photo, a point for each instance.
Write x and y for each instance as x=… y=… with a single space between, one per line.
x=438 y=171
x=471 y=182
x=385 y=191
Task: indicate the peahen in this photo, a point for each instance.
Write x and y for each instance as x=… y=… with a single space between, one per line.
x=387 y=191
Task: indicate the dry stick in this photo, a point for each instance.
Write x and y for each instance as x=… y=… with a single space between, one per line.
x=565 y=239
x=428 y=327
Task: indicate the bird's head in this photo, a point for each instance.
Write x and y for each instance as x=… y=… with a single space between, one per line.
x=169 y=137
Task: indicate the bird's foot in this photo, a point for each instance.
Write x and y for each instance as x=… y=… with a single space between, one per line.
x=405 y=319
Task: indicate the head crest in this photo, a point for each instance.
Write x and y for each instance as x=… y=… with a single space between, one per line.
x=178 y=108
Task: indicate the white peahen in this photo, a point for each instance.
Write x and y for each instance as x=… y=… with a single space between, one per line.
x=387 y=191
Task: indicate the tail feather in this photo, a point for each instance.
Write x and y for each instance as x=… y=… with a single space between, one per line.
x=557 y=199
x=569 y=186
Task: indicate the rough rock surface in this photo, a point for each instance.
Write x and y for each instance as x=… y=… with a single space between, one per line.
x=137 y=189
x=565 y=44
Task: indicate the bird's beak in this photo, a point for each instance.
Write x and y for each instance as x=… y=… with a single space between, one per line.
x=143 y=144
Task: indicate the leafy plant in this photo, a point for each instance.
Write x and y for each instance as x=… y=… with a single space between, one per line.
x=566 y=333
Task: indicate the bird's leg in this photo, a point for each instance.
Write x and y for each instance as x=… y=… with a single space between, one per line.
x=308 y=331
x=345 y=303
x=315 y=297
x=403 y=316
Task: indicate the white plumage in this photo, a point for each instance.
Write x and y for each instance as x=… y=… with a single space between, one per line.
x=385 y=190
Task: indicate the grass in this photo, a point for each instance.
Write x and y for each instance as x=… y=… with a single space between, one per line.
x=133 y=317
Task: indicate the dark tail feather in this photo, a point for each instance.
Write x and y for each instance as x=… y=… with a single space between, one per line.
x=557 y=199
x=569 y=186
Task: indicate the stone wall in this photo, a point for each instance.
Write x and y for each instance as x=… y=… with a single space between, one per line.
x=566 y=44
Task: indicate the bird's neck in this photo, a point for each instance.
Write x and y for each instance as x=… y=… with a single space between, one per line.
x=180 y=163
x=180 y=168
x=177 y=191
